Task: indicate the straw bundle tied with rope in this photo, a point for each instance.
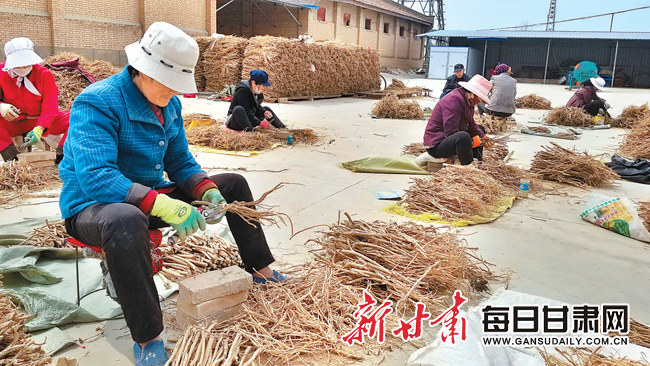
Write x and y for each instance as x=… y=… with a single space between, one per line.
x=392 y=107
x=17 y=348
x=18 y=179
x=636 y=142
x=570 y=116
x=221 y=62
x=533 y=101
x=299 y=69
x=631 y=116
x=71 y=82
x=302 y=321
x=567 y=166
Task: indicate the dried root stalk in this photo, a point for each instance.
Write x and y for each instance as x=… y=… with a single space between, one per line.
x=399 y=89
x=415 y=148
x=533 y=101
x=630 y=116
x=50 y=236
x=636 y=143
x=455 y=193
x=221 y=62
x=392 y=107
x=567 y=166
x=301 y=321
x=197 y=254
x=570 y=116
x=540 y=129
x=17 y=347
x=585 y=357
x=250 y=213
x=304 y=135
x=218 y=137
x=644 y=214
x=18 y=179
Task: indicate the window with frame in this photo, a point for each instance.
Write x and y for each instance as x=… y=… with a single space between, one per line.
x=386 y=28
x=401 y=31
x=368 y=23
x=346 y=19
x=321 y=14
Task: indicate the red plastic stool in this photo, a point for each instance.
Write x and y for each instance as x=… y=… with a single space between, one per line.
x=155 y=239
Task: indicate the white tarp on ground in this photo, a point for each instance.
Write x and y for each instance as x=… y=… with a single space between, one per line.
x=473 y=353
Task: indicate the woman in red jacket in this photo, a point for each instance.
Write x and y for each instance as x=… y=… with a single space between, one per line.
x=29 y=100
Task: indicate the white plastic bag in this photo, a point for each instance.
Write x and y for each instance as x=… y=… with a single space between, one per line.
x=616 y=214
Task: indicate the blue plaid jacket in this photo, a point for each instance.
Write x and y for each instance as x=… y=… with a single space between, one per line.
x=117 y=150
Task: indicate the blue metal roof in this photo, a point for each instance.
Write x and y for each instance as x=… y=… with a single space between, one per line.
x=490 y=35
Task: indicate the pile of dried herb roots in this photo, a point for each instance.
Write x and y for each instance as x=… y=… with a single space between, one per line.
x=199 y=118
x=630 y=116
x=218 y=137
x=636 y=142
x=540 y=129
x=50 y=236
x=71 y=82
x=415 y=148
x=392 y=107
x=17 y=348
x=18 y=179
x=533 y=101
x=567 y=166
x=570 y=116
x=586 y=357
x=302 y=321
x=493 y=125
x=300 y=69
x=220 y=62
x=644 y=213
x=398 y=88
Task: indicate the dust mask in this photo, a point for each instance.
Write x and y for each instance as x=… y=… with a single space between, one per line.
x=23 y=72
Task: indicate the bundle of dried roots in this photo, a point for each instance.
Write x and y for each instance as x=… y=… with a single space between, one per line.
x=415 y=148
x=392 y=107
x=218 y=137
x=492 y=125
x=533 y=101
x=198 y=118
x=567 y=166
x=570 y=116
x=636 y=142
x=18 y=179
x=51 y=235
x=644 y=214
x=630 y=116
x=399 y=89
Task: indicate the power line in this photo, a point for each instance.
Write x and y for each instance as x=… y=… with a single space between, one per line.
x=571 y=20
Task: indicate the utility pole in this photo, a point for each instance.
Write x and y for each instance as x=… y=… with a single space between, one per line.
x=550 y=19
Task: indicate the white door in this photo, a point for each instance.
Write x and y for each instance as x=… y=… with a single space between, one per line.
x=438 y=64
x=457 y=57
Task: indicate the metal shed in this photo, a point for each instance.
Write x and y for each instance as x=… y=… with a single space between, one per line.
x=550 y=55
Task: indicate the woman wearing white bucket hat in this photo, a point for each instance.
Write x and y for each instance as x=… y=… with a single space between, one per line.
x=451 y=130
x=125 y=132
x=587 y=99
x=29 y=100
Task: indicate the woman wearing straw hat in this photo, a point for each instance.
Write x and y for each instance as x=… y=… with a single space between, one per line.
x=502 y=95
x=29 y=100
x=451 y=130
x=125 y=131
x=246 y=112
x=587 y=99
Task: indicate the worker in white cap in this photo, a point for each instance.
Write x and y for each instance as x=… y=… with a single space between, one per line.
x=126 y=131
x=451 y=130
x=29 y=100
x=587 y=99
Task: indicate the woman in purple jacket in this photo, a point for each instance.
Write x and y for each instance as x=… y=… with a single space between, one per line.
x=451 y=128
x=586 y=97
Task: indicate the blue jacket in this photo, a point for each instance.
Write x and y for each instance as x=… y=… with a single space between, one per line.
x=117 y=150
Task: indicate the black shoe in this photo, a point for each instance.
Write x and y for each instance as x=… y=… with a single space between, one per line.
x=59 y=155
x=9 y=153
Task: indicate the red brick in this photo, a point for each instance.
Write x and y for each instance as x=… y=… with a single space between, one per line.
x=210 y=307
x=214 y=284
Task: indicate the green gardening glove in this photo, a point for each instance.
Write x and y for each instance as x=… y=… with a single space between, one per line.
x=180 y=215
x=214 y=196
x=34 y=136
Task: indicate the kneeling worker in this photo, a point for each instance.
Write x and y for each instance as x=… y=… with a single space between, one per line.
x=451 y=130
x=125 y=132
x=246 y=111
x=587 y=99
x=29 y=100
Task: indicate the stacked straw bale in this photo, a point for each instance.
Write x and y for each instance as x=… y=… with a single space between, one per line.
x=636 y=142
x=221 y=62
x=299 y=69
x=71 y=82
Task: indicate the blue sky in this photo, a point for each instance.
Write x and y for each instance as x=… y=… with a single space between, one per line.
x=482 y=14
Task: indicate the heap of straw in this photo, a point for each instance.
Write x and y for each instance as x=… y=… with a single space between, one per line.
x=304 y=135
x=199 y=70
x=398 y=88
x=630 y=116
x=300 y=69
x=218 y=137
x=415 y=148
x=221 y=62
x=392 y=107
x=302 y=321
x=533 y=101
x=199 y=118
x=197 y=254
x=636 y=143
x=567 y=166
x=17 y=348
x=71 y=82
x=570 y=116
x=644 y=214
x=18 y=179
x=50 y=235
x=586 y=357
x=455 y=193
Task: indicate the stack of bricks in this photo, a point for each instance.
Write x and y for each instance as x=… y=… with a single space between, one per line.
x=214 y=296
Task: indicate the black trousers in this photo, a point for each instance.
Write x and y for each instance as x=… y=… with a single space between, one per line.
x=239 y=120
x=458 y=144
x=482 y=108
x=593 y=107
x=122 y=231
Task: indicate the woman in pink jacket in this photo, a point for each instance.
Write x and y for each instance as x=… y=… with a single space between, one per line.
x=586 y=97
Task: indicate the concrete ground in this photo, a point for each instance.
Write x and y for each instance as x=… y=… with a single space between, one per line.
x=550 y=250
